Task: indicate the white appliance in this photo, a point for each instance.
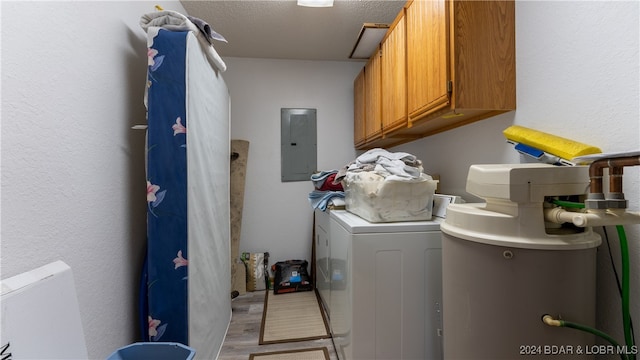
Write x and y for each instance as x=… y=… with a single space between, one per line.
x=385 y=288
x=504 y=267
x=40 y=315
x=323 y=257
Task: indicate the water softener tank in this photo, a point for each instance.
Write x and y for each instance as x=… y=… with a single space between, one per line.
x=504 y=267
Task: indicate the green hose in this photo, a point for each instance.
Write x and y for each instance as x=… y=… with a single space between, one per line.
x=624 y=252
x=626 y=316
x=569 y=204
x=596 y=332
x=593 y=331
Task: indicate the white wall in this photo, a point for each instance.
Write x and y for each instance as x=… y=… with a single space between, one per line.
x=72 y=169
x=578 y=77
x=73 y=181
x=277 y=216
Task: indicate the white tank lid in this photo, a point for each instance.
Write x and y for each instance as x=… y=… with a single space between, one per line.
x=513 y=213
x=473 y=222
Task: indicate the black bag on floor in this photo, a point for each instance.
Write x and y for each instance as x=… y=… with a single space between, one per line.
x=291 y=276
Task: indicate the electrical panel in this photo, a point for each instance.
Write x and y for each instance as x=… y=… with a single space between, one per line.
x=298 y=144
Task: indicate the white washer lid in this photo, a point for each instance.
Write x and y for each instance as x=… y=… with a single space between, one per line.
x=357 y=225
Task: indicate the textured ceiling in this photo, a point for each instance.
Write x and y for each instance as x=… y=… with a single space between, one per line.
x=280 y=29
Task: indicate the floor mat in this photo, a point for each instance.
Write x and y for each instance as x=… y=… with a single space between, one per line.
x=301 y=354
x=292 y=317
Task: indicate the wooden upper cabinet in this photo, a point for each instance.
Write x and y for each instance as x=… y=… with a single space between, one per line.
x=443 y=64
x=427 y=56
x=358 y=110
x=394 y=77
x=460 y=62
x=373 y=98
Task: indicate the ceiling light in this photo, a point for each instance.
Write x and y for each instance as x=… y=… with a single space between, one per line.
x=315 y=3
x=368 y=40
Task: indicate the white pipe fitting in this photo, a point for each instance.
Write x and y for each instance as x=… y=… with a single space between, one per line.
x=591 y=218
x=549 y=320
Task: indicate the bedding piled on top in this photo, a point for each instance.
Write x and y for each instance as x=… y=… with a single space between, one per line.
x=327 y=192
x=381 y=186
x=175 y=21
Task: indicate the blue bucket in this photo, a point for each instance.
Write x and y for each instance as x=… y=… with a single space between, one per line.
x=154 y=350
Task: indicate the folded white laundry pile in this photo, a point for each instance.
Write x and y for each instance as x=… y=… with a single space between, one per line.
x=381 y=186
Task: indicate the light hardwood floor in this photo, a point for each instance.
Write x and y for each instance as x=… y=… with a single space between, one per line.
x=244 y=331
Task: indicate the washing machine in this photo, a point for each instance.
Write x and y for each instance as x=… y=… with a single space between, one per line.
x=386 y=288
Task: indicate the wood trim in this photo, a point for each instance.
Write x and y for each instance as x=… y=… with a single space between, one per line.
x=429 y=109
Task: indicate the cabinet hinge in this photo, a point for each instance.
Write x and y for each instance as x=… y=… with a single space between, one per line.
x=449 y=86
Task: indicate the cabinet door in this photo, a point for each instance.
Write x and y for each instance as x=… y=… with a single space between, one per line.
x=427 y=56
x=394 y=85
x=483 y=50
x=358 y=110
x=373 y=98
